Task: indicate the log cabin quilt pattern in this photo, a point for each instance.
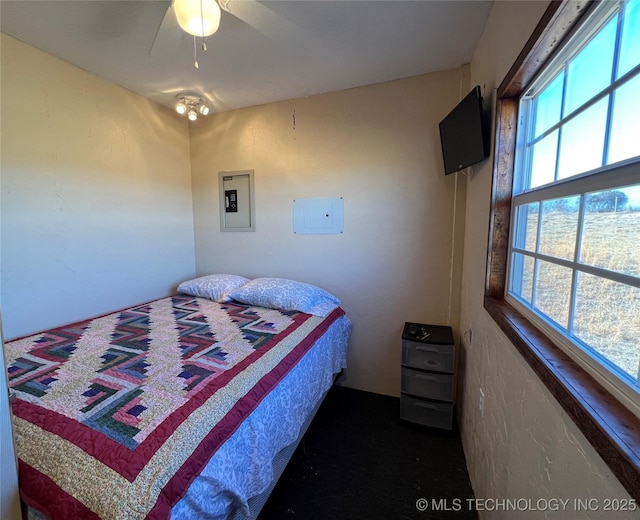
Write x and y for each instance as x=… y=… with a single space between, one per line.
x=116 y=415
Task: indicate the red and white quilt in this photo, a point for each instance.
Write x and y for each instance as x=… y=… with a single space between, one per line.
x=116 y=415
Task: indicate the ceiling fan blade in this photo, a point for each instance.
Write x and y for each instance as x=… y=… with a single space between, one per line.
x=260 y=17
x=169 y=35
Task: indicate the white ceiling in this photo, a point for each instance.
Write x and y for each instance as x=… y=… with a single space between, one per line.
x=265 y=51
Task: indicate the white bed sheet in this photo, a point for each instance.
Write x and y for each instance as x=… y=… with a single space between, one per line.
x=242 y=466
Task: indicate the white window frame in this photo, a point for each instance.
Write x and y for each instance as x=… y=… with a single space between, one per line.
x=611 y=428
x=612 y=176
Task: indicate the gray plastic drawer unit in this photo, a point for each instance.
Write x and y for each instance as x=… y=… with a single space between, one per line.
x=427 y=389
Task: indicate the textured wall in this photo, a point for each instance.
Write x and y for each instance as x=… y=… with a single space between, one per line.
x=378 y=148
x=9 y=494
x=523 y=445
x=96 y=194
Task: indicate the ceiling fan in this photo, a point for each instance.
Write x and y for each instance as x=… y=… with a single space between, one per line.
x=201 y=18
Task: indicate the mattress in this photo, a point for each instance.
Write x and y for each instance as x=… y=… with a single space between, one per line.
x=176 y=407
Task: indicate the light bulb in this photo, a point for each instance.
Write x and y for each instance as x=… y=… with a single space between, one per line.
x=204 y=109
x=181 y=108
x=197 y=17
x=192 y=115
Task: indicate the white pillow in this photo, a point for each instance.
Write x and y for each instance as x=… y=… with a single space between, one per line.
x=286 y=295
x=216 y=287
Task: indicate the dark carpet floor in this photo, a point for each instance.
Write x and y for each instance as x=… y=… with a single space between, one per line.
x=358 y=460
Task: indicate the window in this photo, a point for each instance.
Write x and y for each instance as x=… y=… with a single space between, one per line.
x=575 y=245
x=563 y=187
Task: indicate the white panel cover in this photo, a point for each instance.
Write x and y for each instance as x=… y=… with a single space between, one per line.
x=318 y=216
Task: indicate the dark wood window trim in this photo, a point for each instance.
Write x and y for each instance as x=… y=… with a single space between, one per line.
x=611 y=428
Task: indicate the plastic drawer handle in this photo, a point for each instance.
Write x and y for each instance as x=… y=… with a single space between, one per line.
x=425 y=405
x=426 y=377
x=427 y=349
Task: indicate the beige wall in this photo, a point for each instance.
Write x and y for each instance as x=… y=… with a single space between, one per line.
x=523 y=445
x=378 y=148
x=9 y=494
x=96 y=194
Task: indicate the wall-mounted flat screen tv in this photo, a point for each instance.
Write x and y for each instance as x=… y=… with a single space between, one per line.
x=462 y=134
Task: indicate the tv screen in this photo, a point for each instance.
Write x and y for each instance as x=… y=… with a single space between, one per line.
x=462 y=134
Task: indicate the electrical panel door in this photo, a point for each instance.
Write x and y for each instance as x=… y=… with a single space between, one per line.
x=236 y=201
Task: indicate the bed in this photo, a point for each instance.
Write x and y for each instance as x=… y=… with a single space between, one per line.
x=182 y=407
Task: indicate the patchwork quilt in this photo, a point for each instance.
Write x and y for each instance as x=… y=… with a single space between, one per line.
x=115 y=416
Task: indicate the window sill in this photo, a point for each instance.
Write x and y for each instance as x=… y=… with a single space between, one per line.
x=613 y=430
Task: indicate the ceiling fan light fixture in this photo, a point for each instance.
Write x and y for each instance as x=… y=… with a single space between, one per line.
x=203 y=109
x=192 y=115
x=198 y=17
